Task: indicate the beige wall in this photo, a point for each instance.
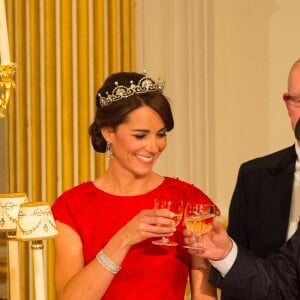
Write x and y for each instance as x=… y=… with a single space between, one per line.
x=226 y=63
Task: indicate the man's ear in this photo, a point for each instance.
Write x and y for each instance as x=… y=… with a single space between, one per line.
x=107 y=133
x=297 y=130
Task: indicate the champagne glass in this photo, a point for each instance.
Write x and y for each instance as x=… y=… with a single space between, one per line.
x=174 y=205
x=198 y=218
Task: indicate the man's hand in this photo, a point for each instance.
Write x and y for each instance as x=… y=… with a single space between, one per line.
x=215 y=245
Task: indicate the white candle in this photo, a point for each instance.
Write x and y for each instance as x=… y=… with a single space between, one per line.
x=4 y=45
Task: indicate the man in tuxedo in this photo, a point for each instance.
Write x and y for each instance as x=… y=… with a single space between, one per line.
x=244 y=276
x=263 y=211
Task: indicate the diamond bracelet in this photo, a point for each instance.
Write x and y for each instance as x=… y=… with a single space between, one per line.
x=107 y=263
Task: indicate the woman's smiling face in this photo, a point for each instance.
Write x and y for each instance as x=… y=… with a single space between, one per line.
x=137 y=143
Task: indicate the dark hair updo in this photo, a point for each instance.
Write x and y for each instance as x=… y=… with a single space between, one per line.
x=115 y=113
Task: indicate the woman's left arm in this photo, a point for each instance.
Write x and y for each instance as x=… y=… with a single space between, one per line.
x=201 y=289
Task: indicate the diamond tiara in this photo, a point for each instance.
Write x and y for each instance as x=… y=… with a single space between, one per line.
x=145 y=85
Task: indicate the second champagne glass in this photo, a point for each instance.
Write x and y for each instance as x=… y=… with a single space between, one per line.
x=198 y=218
x=174 y=205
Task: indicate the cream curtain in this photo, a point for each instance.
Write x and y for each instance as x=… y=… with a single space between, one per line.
x=64 y=49
x=226 y=65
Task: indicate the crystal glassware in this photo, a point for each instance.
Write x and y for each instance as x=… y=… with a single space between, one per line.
x=198 y=218
x=174 y=205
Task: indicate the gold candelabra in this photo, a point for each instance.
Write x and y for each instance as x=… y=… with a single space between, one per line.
x=7 y=83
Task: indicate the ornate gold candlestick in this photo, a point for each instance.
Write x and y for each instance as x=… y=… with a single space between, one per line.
x=36 y=223
x=7 y=68
x=7 y=83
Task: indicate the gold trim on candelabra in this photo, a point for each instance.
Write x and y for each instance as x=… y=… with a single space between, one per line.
x=6 y=84
x=37 y=245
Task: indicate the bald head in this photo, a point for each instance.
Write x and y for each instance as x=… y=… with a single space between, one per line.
x=294 y=72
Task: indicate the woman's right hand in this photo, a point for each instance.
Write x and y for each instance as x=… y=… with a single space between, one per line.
x=148 y=223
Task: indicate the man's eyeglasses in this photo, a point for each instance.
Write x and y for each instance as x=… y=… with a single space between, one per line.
x=294 y=100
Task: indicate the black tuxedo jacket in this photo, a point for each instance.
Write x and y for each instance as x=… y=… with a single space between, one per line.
x=253 y=278
x=260 y=205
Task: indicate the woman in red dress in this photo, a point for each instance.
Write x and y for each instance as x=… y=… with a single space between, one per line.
x=106 y=227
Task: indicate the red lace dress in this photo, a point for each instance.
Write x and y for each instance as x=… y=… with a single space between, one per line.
x=148 y=271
